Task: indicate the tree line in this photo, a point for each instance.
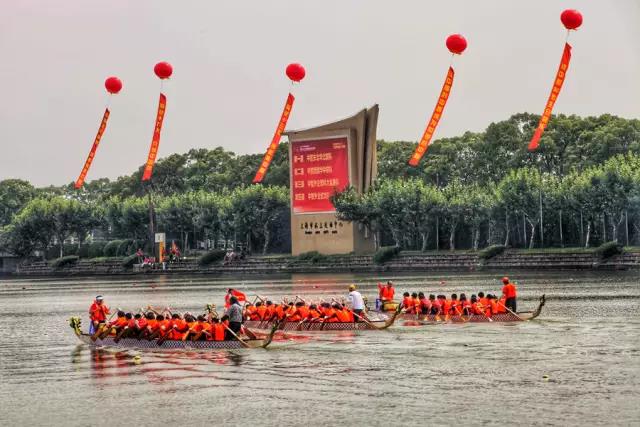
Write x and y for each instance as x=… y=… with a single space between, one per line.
x=526 y=208
x=255 y=217
x=468 y=191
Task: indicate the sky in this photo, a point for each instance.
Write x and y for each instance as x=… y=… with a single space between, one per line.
x=229 y=86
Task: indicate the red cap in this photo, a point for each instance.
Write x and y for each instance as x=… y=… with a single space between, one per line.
x=505 y=280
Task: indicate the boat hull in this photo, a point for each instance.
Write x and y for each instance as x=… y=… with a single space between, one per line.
x=474 y=318
x=133 y=343
x=314 y=326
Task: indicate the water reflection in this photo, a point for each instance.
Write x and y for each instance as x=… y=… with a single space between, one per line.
x=157 y=367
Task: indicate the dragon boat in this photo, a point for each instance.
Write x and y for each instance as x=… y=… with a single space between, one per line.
x=521 y=316
x=320 y=326
x=134 y=343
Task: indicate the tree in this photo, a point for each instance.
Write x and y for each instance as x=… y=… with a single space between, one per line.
x=256 y=210
x=14 y=195
x=519 y=192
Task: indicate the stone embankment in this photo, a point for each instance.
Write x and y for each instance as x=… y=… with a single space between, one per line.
x=409 y=261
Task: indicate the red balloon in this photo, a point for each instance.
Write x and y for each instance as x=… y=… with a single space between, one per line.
x=113 y=85
x=456 y=43
x=163 y=70
x=296 y=72
x=571 y=19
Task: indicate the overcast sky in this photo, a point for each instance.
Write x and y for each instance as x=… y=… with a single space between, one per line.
x=229 y=86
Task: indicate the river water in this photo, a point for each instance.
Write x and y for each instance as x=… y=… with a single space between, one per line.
x=577 y=364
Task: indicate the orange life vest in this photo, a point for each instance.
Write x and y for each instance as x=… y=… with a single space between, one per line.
x=501 y=305
x=343 y=315
x=313 y=314
x=218 y=331
x=98 y=312
x=261 y=311
x=446 y=306
x=509 y=290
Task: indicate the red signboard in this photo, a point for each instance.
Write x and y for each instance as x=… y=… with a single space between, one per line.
x=319 y=168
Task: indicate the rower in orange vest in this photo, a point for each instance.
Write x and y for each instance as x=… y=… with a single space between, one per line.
x=493 y=305
x=329 y=313
x=483 y=302
x=270 y=311
x=218 y=330
x=465 y=305
x=455 y=309
x=446 y=306
x=261 y=310
x=436 y=307
x=177 y=327
x=502 y=308
x=250 y=312
x=314 y=314
x=510 y=293
x=476 y=307
x=407 y=302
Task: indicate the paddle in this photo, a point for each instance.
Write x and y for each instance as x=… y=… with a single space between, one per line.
x=485 y=315
x=237 y=337
x=510 y=311
x=120 y=334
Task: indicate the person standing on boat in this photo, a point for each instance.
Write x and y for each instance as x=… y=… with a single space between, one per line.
x=509 y=293
x=386 y=292
x=98 y=314
x=234 y=314
x=357 y=303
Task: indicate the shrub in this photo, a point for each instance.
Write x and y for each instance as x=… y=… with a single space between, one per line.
x=608 y=249
x=129 y=261
x=96 y=249
x=64 y=261
x=126 y=247
x=83 y=252
x=212 y=256
x=313 y=257
x=111 y=248
x=385 y=254
x=491 y=251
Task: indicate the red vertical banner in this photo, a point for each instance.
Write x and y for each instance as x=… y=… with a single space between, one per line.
x=423 y=145
x=94 y=148
x=555 y=91
x=155 y=142
x=271 y=151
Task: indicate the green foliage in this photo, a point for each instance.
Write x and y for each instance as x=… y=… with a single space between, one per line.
x=211 y=257
x=14 y=195
x=129 y=261
x=385 y=254
x=608 y=249
x=491 y=251
x=64 y=261
x=96 y=249
x=127 y=247
x=313 y=257
x=473 y=190
x=111 y=248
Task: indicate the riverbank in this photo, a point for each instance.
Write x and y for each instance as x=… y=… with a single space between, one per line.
x=561 y=259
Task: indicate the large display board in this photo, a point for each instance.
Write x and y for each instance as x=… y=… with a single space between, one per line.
x=320 y=168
